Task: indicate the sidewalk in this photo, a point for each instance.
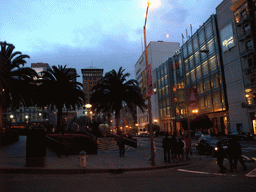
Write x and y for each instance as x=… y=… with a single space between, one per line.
x=136 y=159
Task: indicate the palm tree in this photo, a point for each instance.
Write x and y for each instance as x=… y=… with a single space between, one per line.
x=59 y=88
x=113 y=92
x=15 y=80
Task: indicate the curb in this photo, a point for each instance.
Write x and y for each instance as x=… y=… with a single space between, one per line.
x=82 y=170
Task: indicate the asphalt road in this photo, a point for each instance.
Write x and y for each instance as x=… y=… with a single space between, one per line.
x=160 y=180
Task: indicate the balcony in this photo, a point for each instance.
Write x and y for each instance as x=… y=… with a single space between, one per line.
x=244 y=35
x=246 y=52
x=243 y=20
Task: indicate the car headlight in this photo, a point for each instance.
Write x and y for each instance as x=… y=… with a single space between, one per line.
x=216 y=148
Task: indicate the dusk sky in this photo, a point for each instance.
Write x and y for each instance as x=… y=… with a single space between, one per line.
x=100 y=33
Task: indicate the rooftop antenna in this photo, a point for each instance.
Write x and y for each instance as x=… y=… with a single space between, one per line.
x=92 y=63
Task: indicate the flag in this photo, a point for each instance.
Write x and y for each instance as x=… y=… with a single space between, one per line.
x=191 y=29
x=182 y=38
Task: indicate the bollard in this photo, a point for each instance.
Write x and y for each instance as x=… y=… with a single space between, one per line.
x=83 y=157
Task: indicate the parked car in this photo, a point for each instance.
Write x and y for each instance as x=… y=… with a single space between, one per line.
x=204 y=137
x=240 y=136
x=198 y=134
x=209 y=146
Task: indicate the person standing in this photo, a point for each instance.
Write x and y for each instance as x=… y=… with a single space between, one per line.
x=235 y=154
x=167 y=147
x=173 y=143
x=188 y=146
x=220 y=157
x=180 y=147
x=121 y=145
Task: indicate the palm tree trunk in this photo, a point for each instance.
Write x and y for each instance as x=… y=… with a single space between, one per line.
x=59 y=120
x=117 y=118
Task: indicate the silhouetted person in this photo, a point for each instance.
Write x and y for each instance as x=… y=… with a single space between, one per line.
x=188 y=146
x=121 y=145
x=220 y=157
x=167 y=147
x=180 y=149
x=235 y=153
x=174 y=147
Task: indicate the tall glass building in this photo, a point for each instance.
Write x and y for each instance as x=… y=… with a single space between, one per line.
x=192 y=82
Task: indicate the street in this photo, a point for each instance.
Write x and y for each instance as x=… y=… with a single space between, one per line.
x=159 y=180
x=203 y=175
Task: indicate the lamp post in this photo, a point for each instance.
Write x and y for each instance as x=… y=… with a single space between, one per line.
x=149 y=97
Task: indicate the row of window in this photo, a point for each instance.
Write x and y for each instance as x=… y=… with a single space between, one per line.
x=212 y=100
x=198 y=39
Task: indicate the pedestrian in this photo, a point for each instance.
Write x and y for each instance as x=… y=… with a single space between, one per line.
x=188 y=146
x=235 y=154
x=121 y=145
x=167 y=147
x=173 y=143
x=221 y=154
x=180 y=147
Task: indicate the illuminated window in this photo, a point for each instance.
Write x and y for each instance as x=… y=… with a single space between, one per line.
x=193 y=75
x=198 y=72
x=205 y=68
x=197 y=57
x=213 y=64
x=191 y=62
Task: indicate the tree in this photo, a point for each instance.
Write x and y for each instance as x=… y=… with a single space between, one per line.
x=113 y=92
x=58 y=89
x=16 y=81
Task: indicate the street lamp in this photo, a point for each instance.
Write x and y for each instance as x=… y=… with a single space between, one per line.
x=149 y=96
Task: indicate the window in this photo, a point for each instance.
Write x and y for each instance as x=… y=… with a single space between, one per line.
x=190 y=47
x=215 y=82
x=208 y=30
x=195 y=42
x=201 y=38
x=188 y=78
x=247 y=28
x=197 y=58
x=193 y=75
x=205 y=68
x=191 y=62
x=244 y=14
x=200 y=88
x=185 y=52
x=211 y=46
x=216 y=98
x=207 y=85
x=213 y=64
x=198 y=72
x=201 y=102
x=186 y=66
x=248 y=45
x=209 y=101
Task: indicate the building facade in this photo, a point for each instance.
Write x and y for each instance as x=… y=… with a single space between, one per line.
x=157 y=54
x=90 y=77
x=191 y=82
x=236 y=24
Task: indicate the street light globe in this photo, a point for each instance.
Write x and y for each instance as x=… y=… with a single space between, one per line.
x=88 y=105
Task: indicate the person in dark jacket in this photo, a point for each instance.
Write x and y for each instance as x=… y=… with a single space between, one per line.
x=167 y=147
x=235 y=154
x=221 y=154
x=174 y=148
x=180 y=149
x=121 y=145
